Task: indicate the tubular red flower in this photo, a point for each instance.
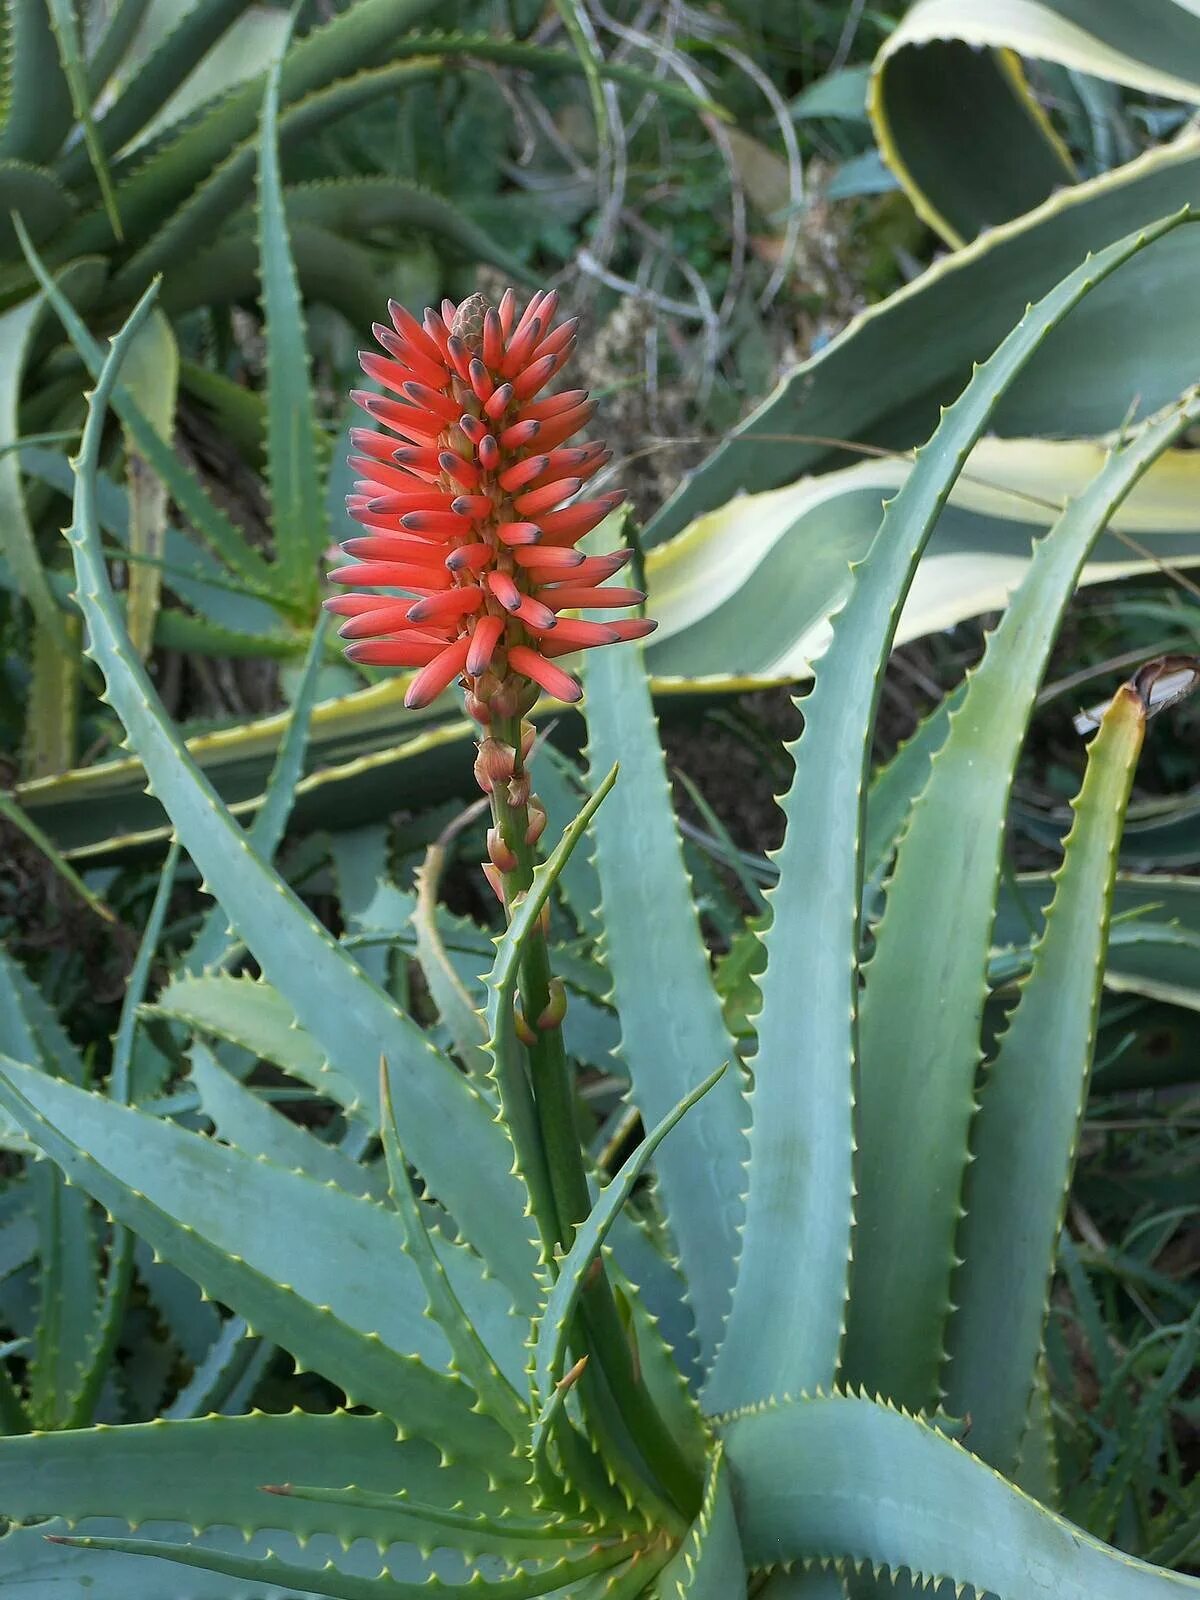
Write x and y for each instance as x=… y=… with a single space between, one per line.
x=470 y=512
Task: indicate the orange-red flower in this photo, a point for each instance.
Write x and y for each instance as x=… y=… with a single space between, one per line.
x=472 y=514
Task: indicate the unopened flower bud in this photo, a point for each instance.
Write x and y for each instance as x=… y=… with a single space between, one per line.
x=555 y=1008
x=537 y=820
x=524 y=1032
x=493 y=764
x=499 y=853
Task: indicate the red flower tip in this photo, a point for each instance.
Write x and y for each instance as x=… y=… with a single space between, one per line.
x=470 y=511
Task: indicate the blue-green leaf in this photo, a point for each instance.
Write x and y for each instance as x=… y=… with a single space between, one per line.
x=785 y=1328
x=848 y=1480
x=671 y=1022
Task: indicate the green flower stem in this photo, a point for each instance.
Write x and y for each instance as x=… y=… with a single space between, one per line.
x=554 y=1098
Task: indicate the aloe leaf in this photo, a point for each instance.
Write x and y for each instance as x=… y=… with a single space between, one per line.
x=464 y=1022
x=224 y=1379
x=68 y=1248
x=210 y=523
x=38 y=100
x=66 y=34
x=211 y=1471
x=13 y=813
x=119 y=1271
x=894 y=788
x=471 y=1532
x=308 y=1266
x=644 y=886
x=922 y=1010
x=471 y=1357
x=708 y=1564
x=214 y=944
x=785 y=1328
x=553 y=1327
x=243 y=1119
x=849 y=1480
x=120 y=29
x=218 y=148
x=152 y=379
x=353 y=207
x=298 y=511
x=1017 y=1183
x=329 y=992
x=254 y=1015
x=33 y=194
x=155 y=80
x=17 y=330
x=343 y=1586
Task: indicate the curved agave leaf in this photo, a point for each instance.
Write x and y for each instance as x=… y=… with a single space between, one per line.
x=927 y=334
x=786 y=1323
x=715 y=587
x=963 y=185
x=852 y=1481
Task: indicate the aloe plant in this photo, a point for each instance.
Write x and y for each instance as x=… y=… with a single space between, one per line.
x=802 y=1395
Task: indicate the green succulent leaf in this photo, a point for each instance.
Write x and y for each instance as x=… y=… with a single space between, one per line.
x=922 y=1010
x=299 y=523
x=553 y=1328
x=785 y=1328
x=1016 y=1186
x=709 y=1564
x=644 y=886
x=848 y=1480
x=37 y=97
x=312 y=1268
x=152 y=379
x=345 y=1586
x=210 y=1472
x=1014 y=159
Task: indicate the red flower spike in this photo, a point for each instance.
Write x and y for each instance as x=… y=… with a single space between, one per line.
x=461 y=518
